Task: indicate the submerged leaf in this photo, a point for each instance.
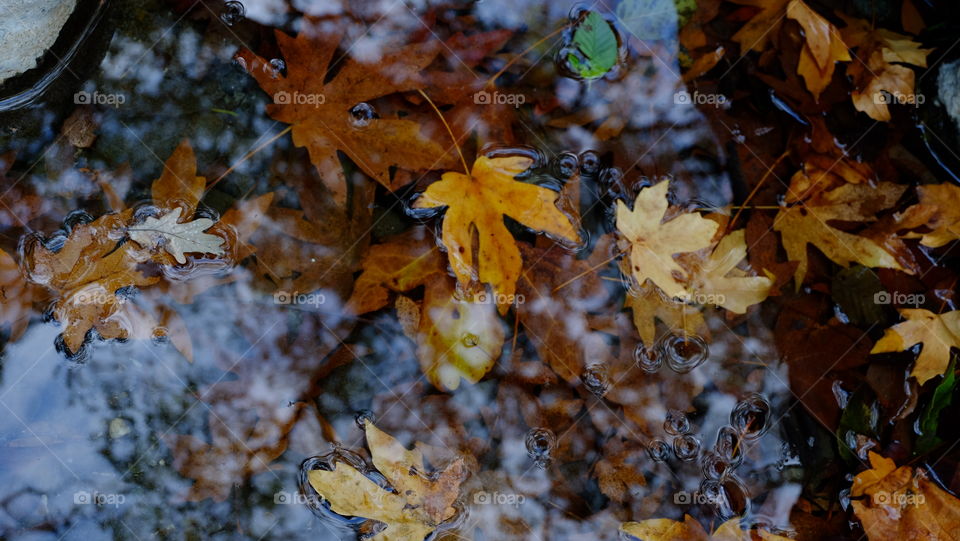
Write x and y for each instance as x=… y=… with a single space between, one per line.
x=937 y=333
x=177 y=238
x=595 y=39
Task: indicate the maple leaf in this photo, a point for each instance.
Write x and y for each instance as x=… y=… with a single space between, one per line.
x=874 y=72
x=937 y=333
x=664 y=529
x=322 y=119
x=648 y=304
x=415 y=507
x=456 y=338
x=822 y=47
x=938 y=210
x=401 y=263
x=807 y=222
x=718 y=279
x=177 y=238
x=481 y=200
x=902 y=503
x=653 y=242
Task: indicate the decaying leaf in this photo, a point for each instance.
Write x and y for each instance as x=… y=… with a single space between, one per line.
x=937 y=332
x=653 y=241
x=417 y=504
x=478 y=203
x=322 y=111
x=902 y=503
x=456 y=337
x=399 y=264
x=664 y=529
x=807 y=221
x=175 y=237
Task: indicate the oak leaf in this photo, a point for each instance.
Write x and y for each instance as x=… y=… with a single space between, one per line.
x=806 y=220
x=478 y=202
x=902 y=503
x=937 y=332
x=456 y=337
x=653 y=241
x=175 y=237
x=416 y=505
x=320 y=110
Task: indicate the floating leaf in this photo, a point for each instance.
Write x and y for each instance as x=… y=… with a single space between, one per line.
x=597 y=44
x=937 y=333
x=177 y=238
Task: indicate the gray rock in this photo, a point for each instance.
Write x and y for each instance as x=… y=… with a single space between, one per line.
x=27 y=29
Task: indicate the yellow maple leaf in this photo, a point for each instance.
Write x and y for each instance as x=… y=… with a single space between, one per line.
x=481 y=200
x=456 y=337
x=822 y=48
x=653 y=242
x=418 y=503
x=937 y=332
x=938 y=210
x=806 y=221
x=902 y=503
x=664 y=529
x=717 y=280
x=648 y=304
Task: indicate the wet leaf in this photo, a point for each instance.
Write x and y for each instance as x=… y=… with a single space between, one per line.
x=822 y=49
x=902 y=503
x=175 y=237
x=939 y=211
x=649 y=305
x=937 y=332
x=664 y=529
x=595 y=40
x=478 y=202
x=653 y=241
x=929 y=420
x=418 y=503
x=320 y=111
x=456 y=338
x=718 y=280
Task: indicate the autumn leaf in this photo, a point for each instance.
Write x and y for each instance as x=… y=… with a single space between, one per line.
x=415 y=507
x=718 y=280
x=478 y=202
x=320 y=111
x=902 y=503
x=456 y=338
x=806 y=220
x=937 y=332
x=16 y=296
x=878 y=80
x=939 y=211
x=664 y=529
x=399 y=264
x=175 y=237
x=648 y=305
x=178 y=185
x=653 y=241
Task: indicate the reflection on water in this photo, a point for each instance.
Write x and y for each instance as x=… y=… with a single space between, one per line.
x=131 y=440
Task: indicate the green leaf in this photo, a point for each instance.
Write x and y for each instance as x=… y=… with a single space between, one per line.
x=597 y=42
x=930 y=418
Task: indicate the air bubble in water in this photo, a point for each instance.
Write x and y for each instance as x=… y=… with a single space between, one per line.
x=676 y=423
x=658 y=450
x=362 y=114
x=648 y=359
x=362 y=417
x=729 y=446
x=595 y=379
x=713 y=466
x=233 y=12
x=540 y=443
x=750 y=416
x=686 y=447
x=683 y=351
x=279 y=67
x=566 y=165
x=589 y=162
x=470 y=340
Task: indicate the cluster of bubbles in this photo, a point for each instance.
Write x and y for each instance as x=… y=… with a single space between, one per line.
x=721 y=486
x=682 y=352
x=685 y=445
x=540 y=443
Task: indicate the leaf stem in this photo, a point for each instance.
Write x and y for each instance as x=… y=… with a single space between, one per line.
x=445 y=125
x=247 y=157
x=756 y=189
x=493 y=79
x=588 y=271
